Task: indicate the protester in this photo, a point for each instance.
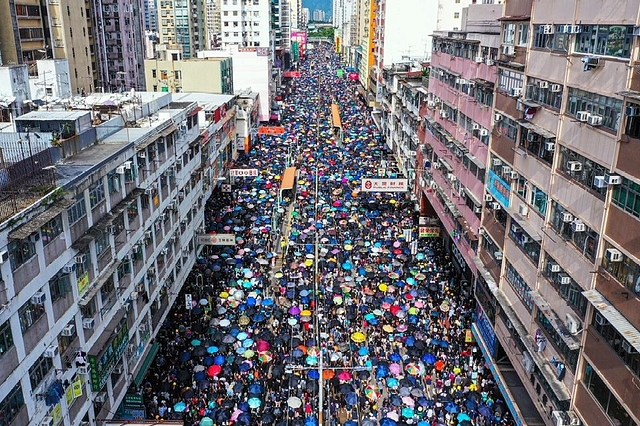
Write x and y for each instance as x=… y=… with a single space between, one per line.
x=321 y=289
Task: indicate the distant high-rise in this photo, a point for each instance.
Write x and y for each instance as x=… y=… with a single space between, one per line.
x=245 y=24
x=318 y=15
x=150 y=15
x=213 y=23
x=305 y=16
x=182 y=23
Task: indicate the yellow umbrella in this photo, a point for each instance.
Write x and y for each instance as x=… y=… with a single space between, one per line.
x=308 y=262
x=224 y=295
x=358 y=337
x=305 y=313
x=382 y=287
x=388 y=328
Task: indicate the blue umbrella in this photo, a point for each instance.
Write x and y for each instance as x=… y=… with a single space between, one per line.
x=392 y=382
x=382 y=371
x=184 y=356
x=259 y=317
x=247 y=343
x=451 y=407
x=200 y=375
x=243 y=406
x=428 y=359
x=463 y=416
x=388 y=422
x=410 y=341
x=471 y=404
x=267 y=302
x=254 y=402
x=363 y=351
x=395 y=357
x=350 y=423
x=423 y=423
x=407 y=412
x=212 y=349
x=208 y=361
x=179 y=407
x=256 y=388
x=347 y=266
x=485 y=411
x=219 y=360
x=314 y=374
x=311 y=421
x=251 y=301
x=351 y=398
x=244 y=367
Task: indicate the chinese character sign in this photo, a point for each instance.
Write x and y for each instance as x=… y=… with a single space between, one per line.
x=384 y=185
x=217 y=239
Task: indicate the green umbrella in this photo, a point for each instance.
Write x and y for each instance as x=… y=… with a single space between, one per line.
x=206 y=421
x=195 y=342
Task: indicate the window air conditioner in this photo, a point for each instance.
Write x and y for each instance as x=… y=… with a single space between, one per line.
x=147 y=235
x=83 y=369
x=614 y=255
x=69 y=268
x=148 y=191
x=564 y=279
x=38 y=298
x=554 y=267
x=47 y=421
x=488 y=197
x=69 y=330
x=495 y=205
x=118 y=370
x=81 y=258
x=543 y=84
x=431 y=104
x=479 y=59
x=4 y=256
x=506 y=170
x=577 y=226
x=496 y=162
x=516 y=92
x=475 y=126
x=508 y=50
x=567 y=217
x=582 y=115
x=513 y=175
x=120 y=170
x=523 y=209
x=127 y=165
x=599 y=182
x=142 y=154
x=100 y=398
x=484 y=132
x=515 y=228
x=556 y=88
x=613 y=179
x=550 y=146
x=497 y=117
x=572 y=323
x=497 y=255
x=574 y=166
x=531 y=136
x=547 y=29
x=631 y=111
x=594 y=120
x=525 y=239
x=51 y=351
x=477 y=210
x=88 y=323
x=626 y=346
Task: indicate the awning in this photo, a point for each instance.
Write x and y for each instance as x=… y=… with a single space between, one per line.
x=82 y=242
x=536 y=129
x=631 y=94
x=335 y=116
x=483 y=82
x=98 y=282
x=615 y=318
x=122 y=205
x=539 y=301
x=288 y=178
x=194 y=111
x=446 y=165
x=39 y=220
x=153 y=351
x=472 y=197
x=166 y=132
x=475 y=160
x=524 y=224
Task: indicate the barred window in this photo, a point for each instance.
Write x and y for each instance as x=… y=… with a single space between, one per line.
x=10 y=406
x=556 y=41
x=508 y=128
x=545 y=92
x=96 y=194
x=585 y=241
x=520 y=286
x=609 y=109
x=632 y=125
x=51 y=229
x=607 y=40
x=627 y=196
x=509 y=80
x=6 y=339
x=571 y=292
x=588 y=170
x=626 y=271
x=39 y=370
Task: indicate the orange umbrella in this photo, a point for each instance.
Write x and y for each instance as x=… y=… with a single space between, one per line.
x=303 y=348
x=439 y=365
x=328 y=374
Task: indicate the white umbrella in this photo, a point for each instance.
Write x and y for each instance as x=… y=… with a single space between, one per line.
x=294 y=402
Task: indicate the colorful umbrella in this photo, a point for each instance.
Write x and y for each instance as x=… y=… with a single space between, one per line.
x=358 y=337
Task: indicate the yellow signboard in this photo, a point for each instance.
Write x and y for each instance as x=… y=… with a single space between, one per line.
x=77 y=389
x=428 y=231
x=68 y=395
x=83 y=282
x=57 y=414
x=468 y=336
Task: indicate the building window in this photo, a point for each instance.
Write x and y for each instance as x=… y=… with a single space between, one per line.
x=96 y=194
x=541 y=147
x=509 y=80
x=31 y=33
x=51 y=229
x=102 y=242
x=520 y=286
x=632 y=125
x=39 y=370
x=626 y=270
x=570 y=356
x=523 y=34
x=627 y=196
x=528 y=245
x=456 y=15
x=154 y=73
x=508 y=128
x=545 y=92
x=27 y=11
x=609 y=109
x=20 y=252
x=164 y=74
x=6 y=339
x=556 y=41
x=10 y=406
x=484 y=96
x=571 y=292
x=113 y=182
x=602 y=393
x=607 y=40
x=509 y=34
x=562 y=221
x=29 y=314
x=588 y=170
x=77 y=211
x=59 y=286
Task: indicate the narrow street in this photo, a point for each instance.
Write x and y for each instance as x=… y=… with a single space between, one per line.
x=335 y=315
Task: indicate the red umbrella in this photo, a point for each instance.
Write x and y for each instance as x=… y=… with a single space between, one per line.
x=394 y=309
x=262 y=345
x=214 y=370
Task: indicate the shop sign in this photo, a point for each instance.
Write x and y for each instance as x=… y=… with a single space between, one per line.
x=243 y=172
x=217 y=239
x=428 y=231
x=385 y=185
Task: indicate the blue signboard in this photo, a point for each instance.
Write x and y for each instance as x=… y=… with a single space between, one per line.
x=499 y=188
x=486 y=331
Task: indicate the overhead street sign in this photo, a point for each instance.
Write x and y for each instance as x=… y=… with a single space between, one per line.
x=385 y=185
x=243 y=172
x=217 y=239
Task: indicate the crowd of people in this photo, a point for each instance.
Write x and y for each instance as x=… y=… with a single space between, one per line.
x=325 y=311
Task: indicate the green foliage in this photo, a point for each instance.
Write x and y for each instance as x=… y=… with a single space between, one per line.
x=323 y=32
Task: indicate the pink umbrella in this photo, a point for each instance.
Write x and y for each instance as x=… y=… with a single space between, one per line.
x=395 y=369
x=345 y=375
x=262 y=345
x=407 y=400
x=235 y=415
x=393 y=415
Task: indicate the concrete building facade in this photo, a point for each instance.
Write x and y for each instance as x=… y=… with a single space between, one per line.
x=185 y=75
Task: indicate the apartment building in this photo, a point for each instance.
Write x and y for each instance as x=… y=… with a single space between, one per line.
x=246 y=23
x=546 y=117
x=98 y=243
x=363 y=53
x=213 y=23
x=183 y=23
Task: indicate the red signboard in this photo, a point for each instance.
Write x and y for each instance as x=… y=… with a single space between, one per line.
x=292 y=74
x=270 y=130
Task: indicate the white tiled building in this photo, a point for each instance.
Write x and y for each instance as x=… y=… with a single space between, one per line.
x=96 y=248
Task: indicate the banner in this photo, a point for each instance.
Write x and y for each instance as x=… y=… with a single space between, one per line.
x=384 y=185
x=77 y=389
x=270 y=130
x=217 y=239
x=428 y=231
x=243 y=172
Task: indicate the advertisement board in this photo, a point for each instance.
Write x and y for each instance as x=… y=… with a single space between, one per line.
x=217 y=239
x=384 y=185
x=243 y=172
